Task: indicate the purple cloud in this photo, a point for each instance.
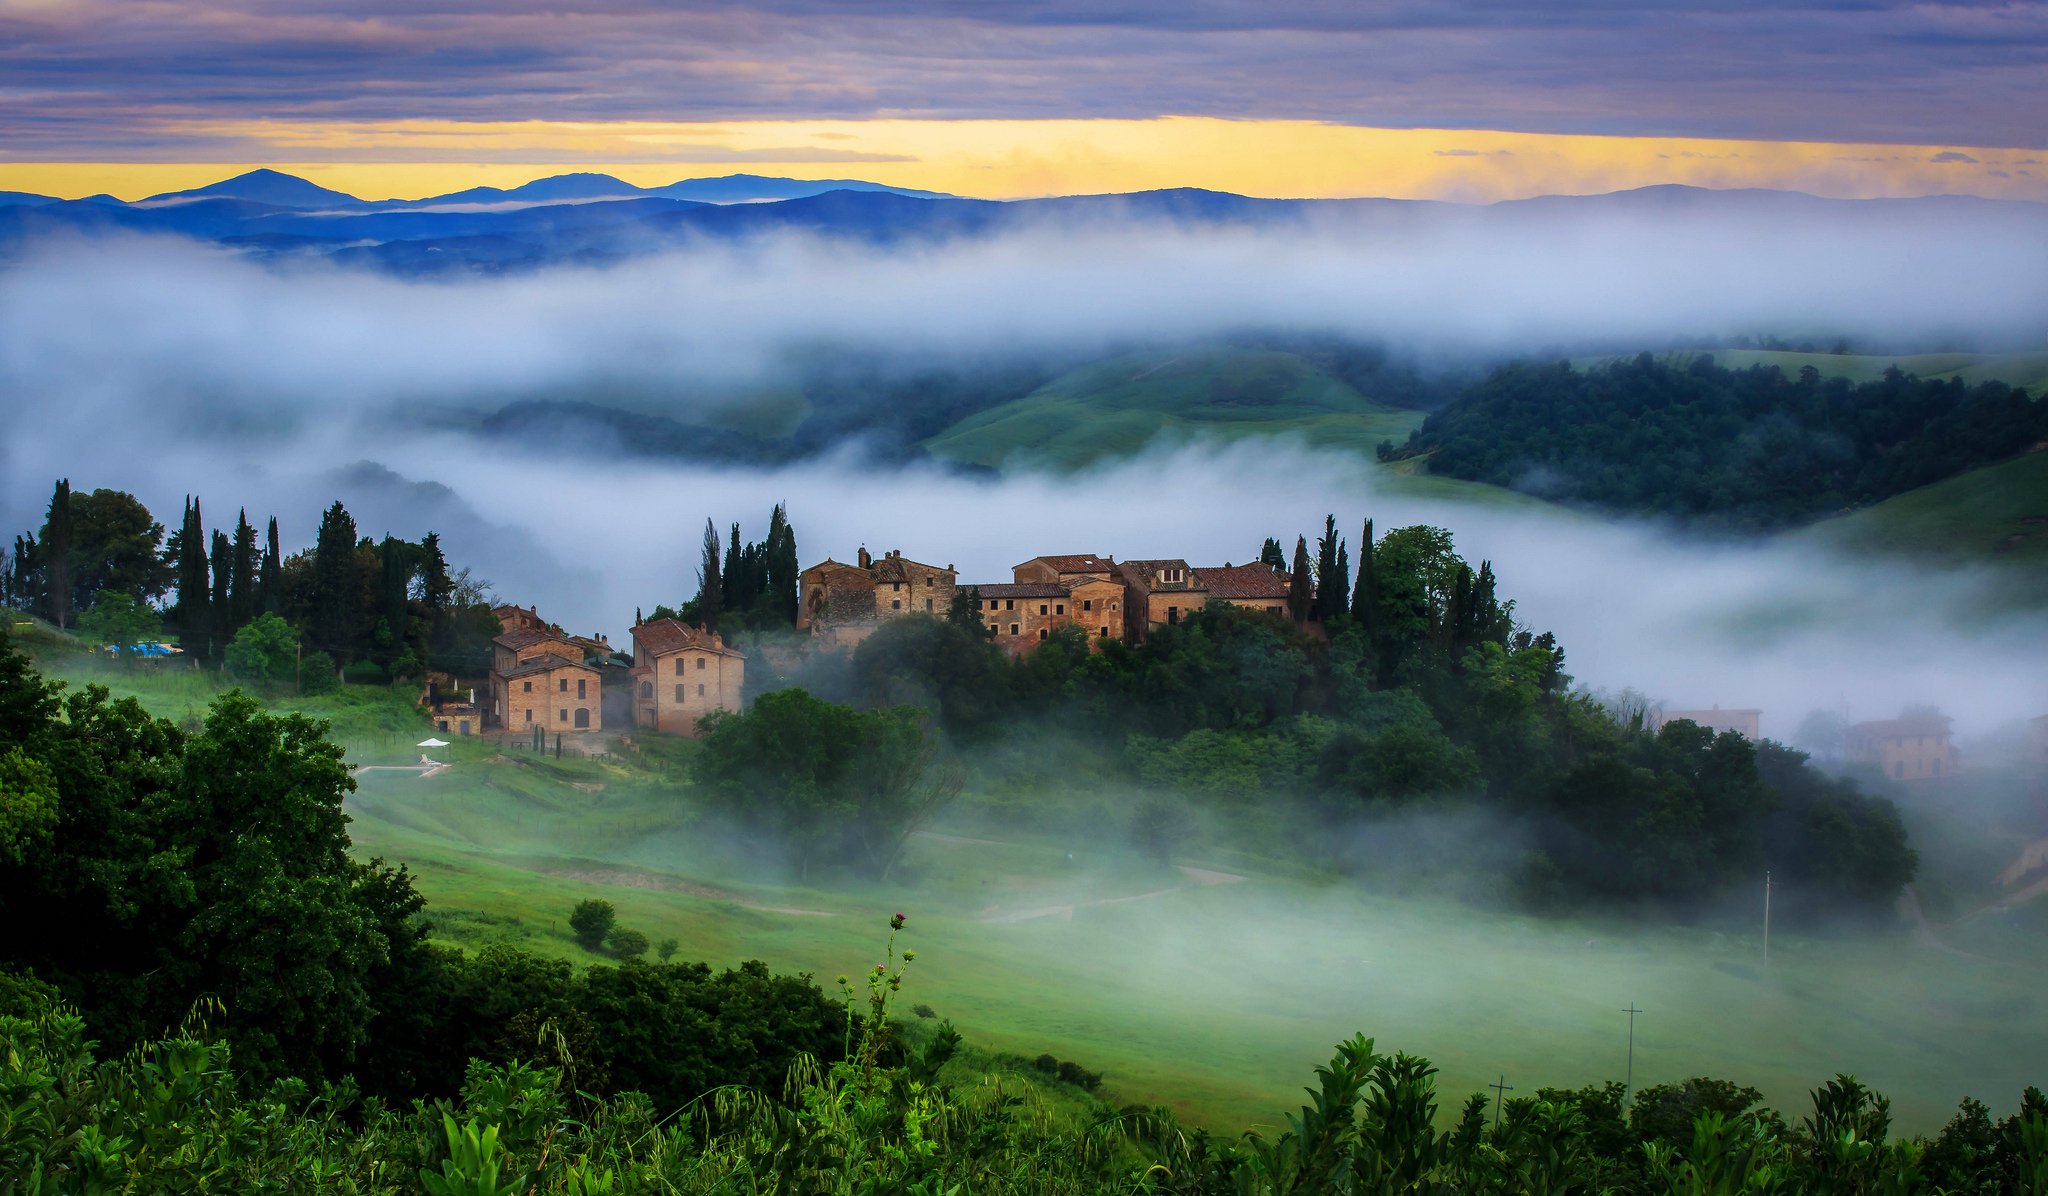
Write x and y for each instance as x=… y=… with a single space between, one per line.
x=89 y=80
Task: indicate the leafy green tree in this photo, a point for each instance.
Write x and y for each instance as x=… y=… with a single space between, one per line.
x=28 y=805
x=626 y=944
x=946 y=666
x=115 y=547
x=265 y=652
x=592 y=922
x=119 y=622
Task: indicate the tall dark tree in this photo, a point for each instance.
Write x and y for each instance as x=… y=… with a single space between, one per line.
x=223 y=565
x=437 y=588
x=1272 y=556
x=782 y=568
x=337 y=584
x=394 y=591
x=1300 y=588
x=195 y=585
x=243 y=601
x=116 y=547
x=25 y=587
x=270 y=583
x=710 y=587
x=57 y=558
x=1331 y=581
x=1365 y=598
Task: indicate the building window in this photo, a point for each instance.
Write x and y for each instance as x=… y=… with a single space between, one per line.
x=895 y=604
x=928 y=604
x=1105 y=631
x=582 y=718
x=992 y=603
x=1041 y=608
x=465 y=726
x=1173 y=614
x=895 y=587
x=562 y=684
x=1013 y=629
x=700 y=664
x=529 y=716
x=562 y=716
x=700 y=691
x=580 y=692
x=1009 y=604
x=647 y=689
x=679 y=666
x=1041 y=633
x=679 y=694
x=928 y=581
x=1087 y=604
x=444 y=724
x=528 y=685
x=1059 y=608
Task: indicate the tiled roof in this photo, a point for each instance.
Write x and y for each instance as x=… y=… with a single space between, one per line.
x=663 y=636
x=1082 y=562
x=546 y=663
x=1027 y=589
x=892 y=568
x=1145 y=574
x=527 y=637
x=1242 y=581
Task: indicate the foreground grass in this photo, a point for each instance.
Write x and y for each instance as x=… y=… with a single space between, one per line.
x=1214 y=998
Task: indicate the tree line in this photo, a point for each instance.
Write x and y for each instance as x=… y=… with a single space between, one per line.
x=382 y=609
x=1409 y=687
x=1744 y=449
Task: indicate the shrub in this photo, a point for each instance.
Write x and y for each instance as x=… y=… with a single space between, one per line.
x=592 y=921
x=365 y=672
x=317 y=674
x=627 y=944
x=667 y=949
x=924 y=1011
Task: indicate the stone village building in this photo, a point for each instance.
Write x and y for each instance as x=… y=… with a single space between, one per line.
x=1113 y=601
x=1905 y=749
x=843 y=604
x=539 y=679
x=680 y=674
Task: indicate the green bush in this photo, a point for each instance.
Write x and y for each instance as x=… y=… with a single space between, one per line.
x=592 y=921
x=317 y=674
x=365 y=672
x=627 y=944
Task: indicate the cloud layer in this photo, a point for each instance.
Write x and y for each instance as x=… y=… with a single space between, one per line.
x=94 y=78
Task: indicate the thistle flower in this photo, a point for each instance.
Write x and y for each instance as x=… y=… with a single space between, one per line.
x=896 y=921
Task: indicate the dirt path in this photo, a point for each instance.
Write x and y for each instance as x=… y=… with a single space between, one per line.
x=1923 y=931
x=1197 y=877
x=431 y=768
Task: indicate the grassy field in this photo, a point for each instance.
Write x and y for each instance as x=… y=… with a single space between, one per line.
x=1115 y=408
x=1996 y=516
x=1215 y=990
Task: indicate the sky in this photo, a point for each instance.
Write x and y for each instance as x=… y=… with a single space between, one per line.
x=1001 y=98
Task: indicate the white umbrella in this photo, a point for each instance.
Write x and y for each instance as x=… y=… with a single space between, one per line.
x=431 y=743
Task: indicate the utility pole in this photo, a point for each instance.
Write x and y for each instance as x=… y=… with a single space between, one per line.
x=1767 y=919
x=1498 y=1089
x=1629 y=1084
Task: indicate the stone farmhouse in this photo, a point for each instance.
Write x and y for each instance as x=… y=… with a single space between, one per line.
x=844 y=603
x=1114 y=601
x=1906 y=749
x=539 y=679
x=680 y=674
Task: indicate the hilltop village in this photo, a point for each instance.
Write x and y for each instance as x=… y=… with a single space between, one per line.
x=544 y=681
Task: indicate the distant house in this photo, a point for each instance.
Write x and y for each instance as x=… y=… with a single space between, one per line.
x=680 y=674
x=845 y=603
x=1158 y=594
x=539 y=679
x=1915 y=748
x=1253 y=587
x=519 y=618
x=1743 y=721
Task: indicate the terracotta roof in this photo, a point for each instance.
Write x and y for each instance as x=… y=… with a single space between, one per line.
x=546 y=663
x=1145 y=575
x=1242 y=581
x=891 y=568
x=1883 y=727
x=527 y=637
x=660 y=637
x=1027 y=589
x=1082 y=562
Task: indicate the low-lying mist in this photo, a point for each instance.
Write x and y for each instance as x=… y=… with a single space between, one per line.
x=170 y=369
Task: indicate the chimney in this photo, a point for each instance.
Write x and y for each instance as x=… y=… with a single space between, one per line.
x=865 y=560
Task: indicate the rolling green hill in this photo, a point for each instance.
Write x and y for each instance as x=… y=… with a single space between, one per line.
x=1997 y=515
x=1117 y=407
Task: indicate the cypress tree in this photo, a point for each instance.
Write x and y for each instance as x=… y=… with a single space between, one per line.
x=1272 y=556
x=437 y=588
x=1365 y=598
x=223 y=586
x=781 y=566
x=337 y=586
x=270 y=595
x=1329 y=583
x=27 y=584
x=710 y=588
x=242 y=597
x=56 y=552
x=1300 y=594
x=195 y=598
x=730 y=596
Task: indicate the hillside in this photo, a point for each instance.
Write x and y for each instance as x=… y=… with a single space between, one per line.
x=1997 y=514
x=1118 y=407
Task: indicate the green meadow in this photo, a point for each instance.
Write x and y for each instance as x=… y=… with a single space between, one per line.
x=1116 y=408
x=1214 y=986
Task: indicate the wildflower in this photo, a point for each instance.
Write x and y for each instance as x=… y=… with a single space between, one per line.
x=896 y=921
x=909 y=955
x=879 y=969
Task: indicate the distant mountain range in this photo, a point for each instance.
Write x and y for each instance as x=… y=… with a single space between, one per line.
x=593 y=218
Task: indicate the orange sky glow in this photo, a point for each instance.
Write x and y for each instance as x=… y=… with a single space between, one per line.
x=1016 y=158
